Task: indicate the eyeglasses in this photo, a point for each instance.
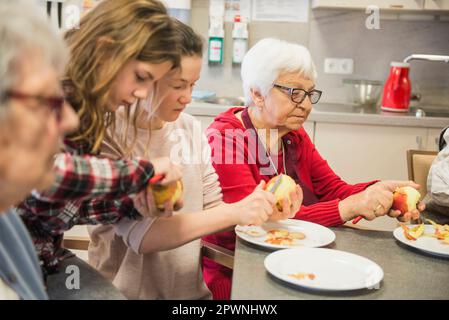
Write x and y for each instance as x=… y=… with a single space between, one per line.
x=298 y=95
x=56 y=103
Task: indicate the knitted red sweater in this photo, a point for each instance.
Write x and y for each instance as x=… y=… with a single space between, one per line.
x=239 y=179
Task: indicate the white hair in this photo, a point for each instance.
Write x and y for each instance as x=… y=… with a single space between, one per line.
x=268 y=59
x=26 y=32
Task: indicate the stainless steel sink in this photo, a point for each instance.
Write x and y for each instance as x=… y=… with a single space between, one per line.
x=226 y=101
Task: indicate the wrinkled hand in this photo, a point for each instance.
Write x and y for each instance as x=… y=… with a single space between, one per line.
x=163 y=165
x=289 y=210
x=376 y=201
x=414 y=214
x=255 y=209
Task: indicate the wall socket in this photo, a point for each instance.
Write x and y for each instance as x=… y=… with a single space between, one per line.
x=338 y=66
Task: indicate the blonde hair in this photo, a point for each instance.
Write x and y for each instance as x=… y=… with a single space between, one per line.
x=122 y=29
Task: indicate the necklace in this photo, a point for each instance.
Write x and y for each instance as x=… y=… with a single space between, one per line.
x=249 y=125
x=269 y=156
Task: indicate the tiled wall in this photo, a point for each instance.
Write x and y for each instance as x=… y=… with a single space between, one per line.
x=342 y=34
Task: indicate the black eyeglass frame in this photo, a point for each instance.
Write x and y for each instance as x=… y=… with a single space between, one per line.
x=291 y=92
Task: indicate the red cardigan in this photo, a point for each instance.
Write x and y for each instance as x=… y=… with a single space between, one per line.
x=238 y=180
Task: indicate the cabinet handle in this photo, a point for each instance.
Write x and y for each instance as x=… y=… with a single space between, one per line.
x=419 y=142
x=437 y=142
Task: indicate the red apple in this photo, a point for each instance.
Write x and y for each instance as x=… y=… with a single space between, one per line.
x=171 y=192
x=283 y=190
x=405 y=199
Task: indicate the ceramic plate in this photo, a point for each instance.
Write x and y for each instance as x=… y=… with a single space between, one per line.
x=324 y=269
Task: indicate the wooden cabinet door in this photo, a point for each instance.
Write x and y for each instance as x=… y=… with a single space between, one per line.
x=359 y=153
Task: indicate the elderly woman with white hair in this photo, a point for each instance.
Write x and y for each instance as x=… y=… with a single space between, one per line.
x=279 y=85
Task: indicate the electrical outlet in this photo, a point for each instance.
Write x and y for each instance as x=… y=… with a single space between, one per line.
x=338 y=66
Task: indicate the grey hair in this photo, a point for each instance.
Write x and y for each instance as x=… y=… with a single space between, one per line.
x=268 y=59
x=25 y=30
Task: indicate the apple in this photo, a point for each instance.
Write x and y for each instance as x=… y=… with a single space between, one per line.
x=283 y=190
x=163 y=193
x=405 y=199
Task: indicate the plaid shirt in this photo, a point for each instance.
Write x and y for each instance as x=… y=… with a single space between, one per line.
x=87 y=190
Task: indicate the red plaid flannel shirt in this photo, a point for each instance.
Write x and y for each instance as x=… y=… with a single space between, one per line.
x=87 y=190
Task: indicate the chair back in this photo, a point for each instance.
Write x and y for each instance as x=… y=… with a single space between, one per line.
x=418 y=164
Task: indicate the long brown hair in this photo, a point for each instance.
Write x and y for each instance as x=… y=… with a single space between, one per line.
x=115 y=31
x=190 y=44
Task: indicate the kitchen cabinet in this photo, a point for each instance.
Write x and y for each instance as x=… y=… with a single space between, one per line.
x=433 y=137
x=438 y=5
x=412 y=5
x=359 y=153
x=309 y=126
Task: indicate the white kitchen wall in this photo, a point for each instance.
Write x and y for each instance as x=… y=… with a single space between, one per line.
x=342 y=34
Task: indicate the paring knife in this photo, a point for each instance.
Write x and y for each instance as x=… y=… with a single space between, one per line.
x=276 y=185
x=157 y=178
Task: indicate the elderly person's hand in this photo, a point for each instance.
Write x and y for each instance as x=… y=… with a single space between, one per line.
x=376 y=201
x=414 y=214
x=289 y=210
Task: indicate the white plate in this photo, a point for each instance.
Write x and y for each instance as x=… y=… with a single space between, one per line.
x=427 y=244
x=315 y=234
x=334 y=270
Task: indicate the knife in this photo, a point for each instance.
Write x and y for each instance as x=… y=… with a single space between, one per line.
x=276 y=185
x=157 y=178
x=357 y=219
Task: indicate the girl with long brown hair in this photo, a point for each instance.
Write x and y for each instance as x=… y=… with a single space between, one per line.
x=120 y=50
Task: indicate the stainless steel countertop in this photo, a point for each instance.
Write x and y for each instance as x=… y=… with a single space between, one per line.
x=340 y=113
x=408 y=274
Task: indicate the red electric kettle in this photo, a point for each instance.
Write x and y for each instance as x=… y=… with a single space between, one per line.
x=397 y=89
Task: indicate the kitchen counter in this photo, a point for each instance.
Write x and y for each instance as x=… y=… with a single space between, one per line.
x=408 y=274
x=340 y=113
